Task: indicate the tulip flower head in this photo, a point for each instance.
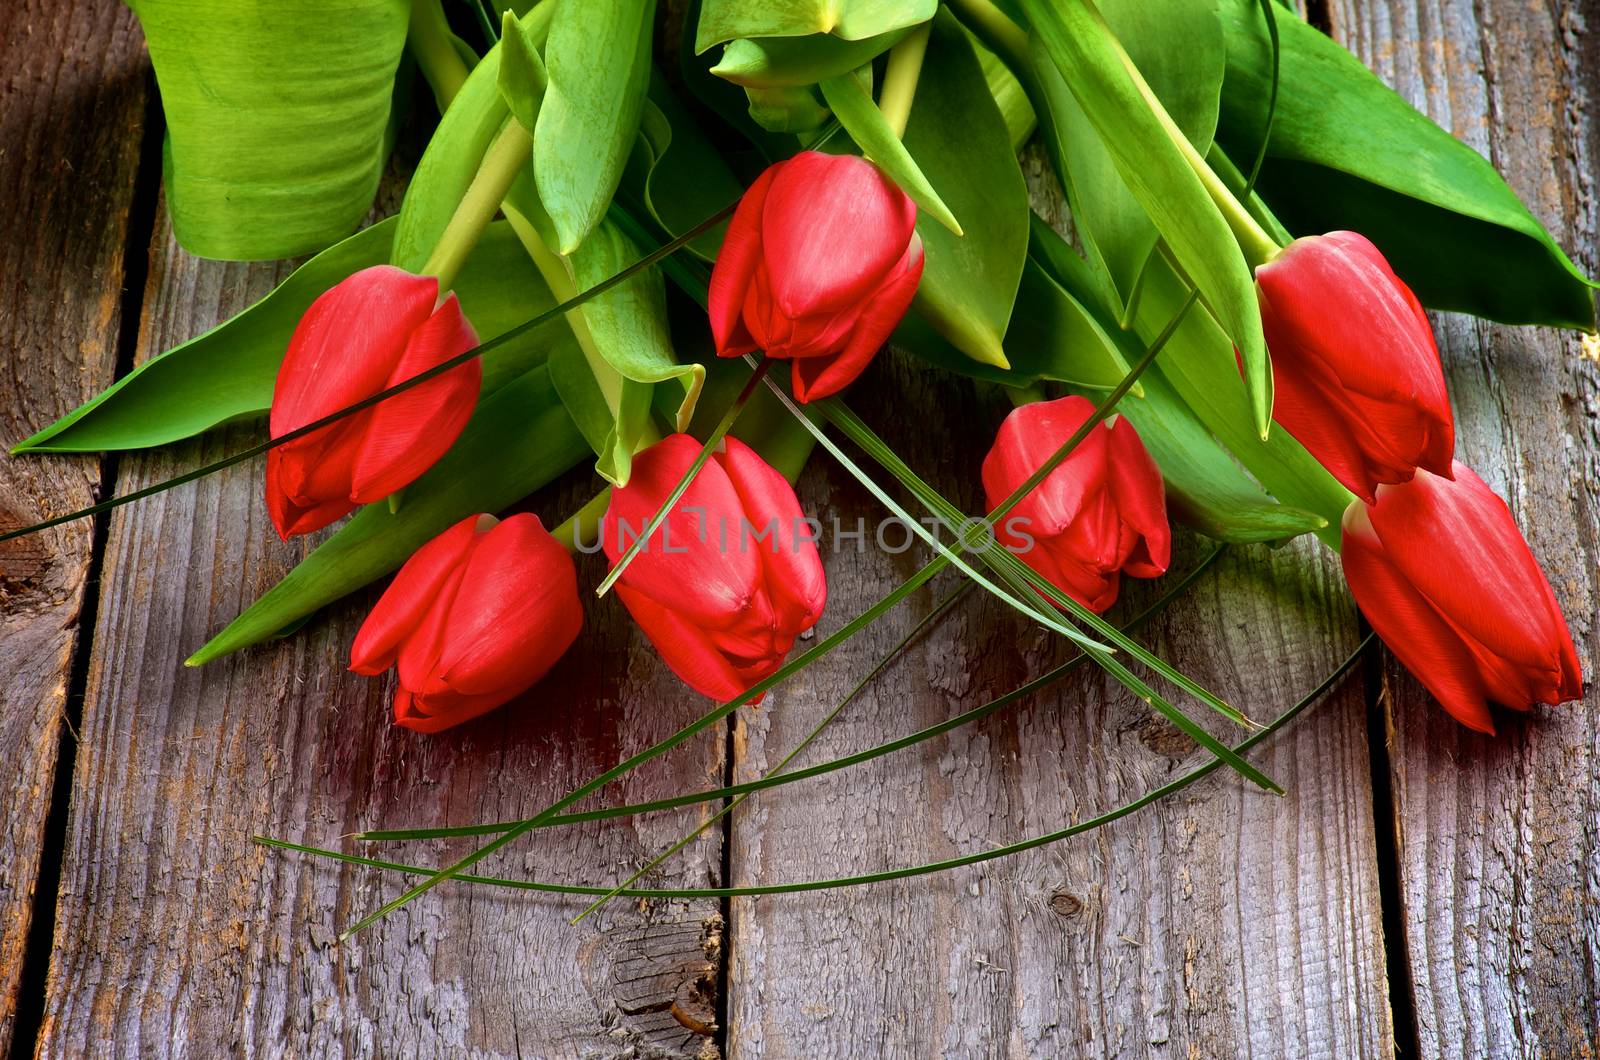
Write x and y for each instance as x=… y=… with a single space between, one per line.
x=1355 y=369
x=820 y=262
x=1445 y=578
x=1099 y=514
x=375 y=329
x=476 y=616
x=732 y=577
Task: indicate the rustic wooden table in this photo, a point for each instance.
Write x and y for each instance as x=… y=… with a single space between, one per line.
x=1420 y=889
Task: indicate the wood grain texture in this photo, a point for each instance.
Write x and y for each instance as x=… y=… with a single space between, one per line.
x=176 y=935
x=1223 y=922
x=1500 y=867
x=71 y=110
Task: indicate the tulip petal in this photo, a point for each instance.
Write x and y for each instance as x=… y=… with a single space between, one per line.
x=1141 y=502
x=736 y=263
x=1457 y=543
x=688 y=564
x=821 y=378
x=685 y=649
x=794 y=577
x=1414 y=631
x=515 y=614
x=430 y=715
x=408 y=433
x=1028 y=438
x=832 y=227
x=347 y=343
x=416 y=588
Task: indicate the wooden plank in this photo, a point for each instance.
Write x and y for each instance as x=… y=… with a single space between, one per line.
x=1498 y=835
x=1219 y=922
x=71 y=114
x=175 y=934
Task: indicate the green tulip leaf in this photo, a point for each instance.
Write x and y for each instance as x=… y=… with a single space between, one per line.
x=786 y=110
x=1205 y=483
x=598 y=60
x=629 y=322
x=574 y=383
x=523 y=78
x=1178 y=47
x=1200 y=363
x=1053 y=336
x=278 y=119
x=1347 y=152
x=792 y=62
x=450 y=162
x=851 y=20
x=688 y=180
x=865 y=123
x=1206 y=490
x=959 y=139
x=518 y=440
x=1153 y=166
x=228 y=373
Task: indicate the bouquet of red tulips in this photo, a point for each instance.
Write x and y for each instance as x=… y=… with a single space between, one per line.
x=668 y=243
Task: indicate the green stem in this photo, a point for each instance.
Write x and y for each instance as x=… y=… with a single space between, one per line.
x=558 y=277
x=508 y=155
x=900 y=80
x=1025 y=395
x=429 y=40
x=996 y=29
x=583 y=525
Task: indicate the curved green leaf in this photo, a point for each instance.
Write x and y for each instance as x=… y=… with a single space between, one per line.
x=519 y=439
x=1074 y=37
x=1347 y=152
x=277 y=118
x=792 y=62
x=852 y=20
x=865 y=123
x=228 y=372
x=1190 y=430
x=689 y=180
x=1052 y=337
x=1178 y=47
x=598 y=59
x=786 y=109
x=958 y=137
x=1205 y=488
x=523 y=78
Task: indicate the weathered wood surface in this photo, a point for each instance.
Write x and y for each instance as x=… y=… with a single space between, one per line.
x=1220 y=922
x=1500 y=866
x=71 y=106
x=175 y=934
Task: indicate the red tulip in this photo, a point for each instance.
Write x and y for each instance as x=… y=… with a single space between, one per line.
x=734 y=578
x=1101 y=513
x=476 y=616
x=1441 y=572
x=819 y=264
x=1354 y=365
x=378 y=328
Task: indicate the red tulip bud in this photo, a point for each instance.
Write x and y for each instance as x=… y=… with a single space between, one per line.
x=732 y=577
x=1354 y=365
x=1101 y=513
x=819 y=264
x=475 y=616
x=1441 y=572
x=378 y=328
